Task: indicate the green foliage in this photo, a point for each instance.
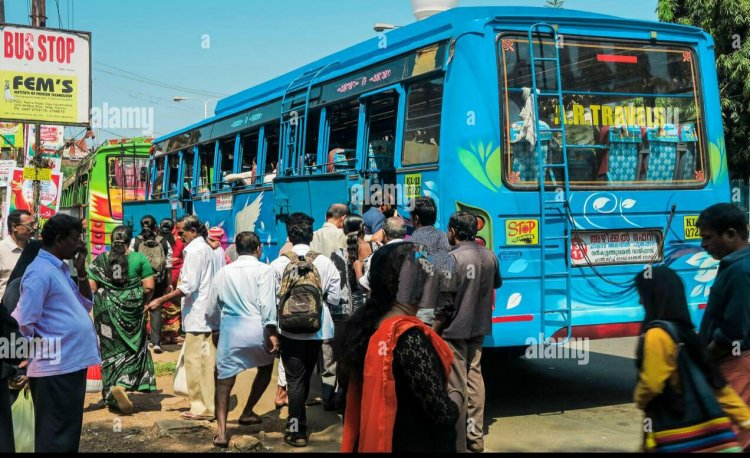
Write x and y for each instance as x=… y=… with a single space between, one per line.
x=728 y=22
x=555 y=3
x=164 y=368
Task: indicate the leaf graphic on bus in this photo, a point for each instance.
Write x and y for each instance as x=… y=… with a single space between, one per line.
x=493 y=166
x=514 y=301
x=628 y=203
x=697 y=291
x=600 y=203
x=717 y=159
x=696 y=259
x=474 y=167
x=518 y=266
x=706 y=276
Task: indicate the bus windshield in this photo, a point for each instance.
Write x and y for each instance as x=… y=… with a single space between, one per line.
x=126 y=177
x=631 y=113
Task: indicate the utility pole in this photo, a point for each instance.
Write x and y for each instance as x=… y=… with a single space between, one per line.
x=38 y=19
x=2 y=11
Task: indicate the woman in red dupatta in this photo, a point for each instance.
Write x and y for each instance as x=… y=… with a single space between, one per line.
x=397 y=367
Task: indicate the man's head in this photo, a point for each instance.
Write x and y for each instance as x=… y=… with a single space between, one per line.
x=383 y=202
x=166 y=226
x=248 y=244
x=215 y=236
x=336 y=214
x=61 y=236
x=462 y=227
x=190 y=228
x=425 y=212
x=299 y=228
x=723 y=229
x=394 y=228
x=21 y=226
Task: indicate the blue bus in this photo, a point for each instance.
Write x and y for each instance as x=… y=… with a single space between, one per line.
x=585 y=144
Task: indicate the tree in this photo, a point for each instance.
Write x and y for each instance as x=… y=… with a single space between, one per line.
x=555 y=3
x=728 y=22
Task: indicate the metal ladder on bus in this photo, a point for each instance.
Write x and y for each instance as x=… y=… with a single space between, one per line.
x=552 y=205
x=296 y=100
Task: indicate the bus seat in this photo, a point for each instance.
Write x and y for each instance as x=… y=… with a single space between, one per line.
x=524 y=160
x=687 y=163
x=662 y=157
x=624 y=146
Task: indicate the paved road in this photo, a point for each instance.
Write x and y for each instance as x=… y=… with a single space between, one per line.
x=546 y=405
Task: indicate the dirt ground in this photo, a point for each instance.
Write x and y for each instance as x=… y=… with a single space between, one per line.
x=104 y=431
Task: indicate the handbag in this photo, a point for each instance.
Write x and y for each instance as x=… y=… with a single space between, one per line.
x=22 y=412
x=180 y=378
x=692 y=421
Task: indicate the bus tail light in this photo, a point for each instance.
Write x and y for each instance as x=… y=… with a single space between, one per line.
x=481 y=241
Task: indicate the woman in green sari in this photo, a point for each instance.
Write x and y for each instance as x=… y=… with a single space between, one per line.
x=122 y=282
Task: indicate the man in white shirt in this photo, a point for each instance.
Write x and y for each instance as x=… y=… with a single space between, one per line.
x=194 y=287
x=21 y=227
x=331 y=237
x=299 y=352
x=244 y=296
x=394 y=230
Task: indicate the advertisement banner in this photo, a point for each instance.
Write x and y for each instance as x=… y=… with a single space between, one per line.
x=51 y=140
x=616 y=247
x=21 y=195
x=46 y=75
x=5 y=168
x=12 y=133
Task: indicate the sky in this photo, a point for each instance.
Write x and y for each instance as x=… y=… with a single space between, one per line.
x=146 y=52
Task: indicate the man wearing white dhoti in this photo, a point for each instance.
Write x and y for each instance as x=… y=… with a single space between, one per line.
x=243 y=293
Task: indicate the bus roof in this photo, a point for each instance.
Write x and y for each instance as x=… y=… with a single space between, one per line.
x=415 y=35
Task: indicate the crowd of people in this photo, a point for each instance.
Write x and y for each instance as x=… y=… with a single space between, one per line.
x=392 y=312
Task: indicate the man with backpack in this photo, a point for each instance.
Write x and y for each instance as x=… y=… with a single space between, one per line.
x=306 y=284
x=158 y=251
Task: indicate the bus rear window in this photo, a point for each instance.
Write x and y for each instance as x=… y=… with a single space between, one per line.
x=631 y=113
x=128 y=175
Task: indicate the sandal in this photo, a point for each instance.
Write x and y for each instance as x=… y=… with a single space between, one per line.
x=122 y=401
x=254 y=420
x=220 y=444
x=295 y=440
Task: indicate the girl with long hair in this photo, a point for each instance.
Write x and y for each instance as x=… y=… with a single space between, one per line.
x=662 y=295
x=122 y=282
x=397 y=368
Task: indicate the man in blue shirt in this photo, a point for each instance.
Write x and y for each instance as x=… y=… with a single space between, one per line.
x=53 y=314
x=725 y=326
x=381 y=209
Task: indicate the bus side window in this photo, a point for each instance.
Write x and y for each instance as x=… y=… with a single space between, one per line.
x=311 y=142
x=173 y=169
x=424 y=103
x=249 y=157
x=226 y=152
x=187 y=164
x=205 y=166
x=382 y=110
x=342 y=142
x=157 y=190
x=272 y=153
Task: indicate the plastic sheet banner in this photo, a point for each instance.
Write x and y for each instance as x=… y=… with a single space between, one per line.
x=45 y=75
x=20 y=195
